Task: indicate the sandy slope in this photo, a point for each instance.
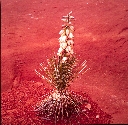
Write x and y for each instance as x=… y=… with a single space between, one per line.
x=30 y=33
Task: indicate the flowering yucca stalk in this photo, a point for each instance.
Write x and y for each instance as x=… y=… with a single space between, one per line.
x=62 y=69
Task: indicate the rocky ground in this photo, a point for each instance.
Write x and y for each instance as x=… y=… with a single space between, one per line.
x=30 y=35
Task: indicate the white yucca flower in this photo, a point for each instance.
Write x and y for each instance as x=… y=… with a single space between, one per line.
x=62 y=32
x=65 y=20
x=71 y=17
x=70 y=42
x=63 y=38
x=69 y=49
x=60 y=51
x=72 y=28
x=70 y=35
x=67 y=32
x=63 y=45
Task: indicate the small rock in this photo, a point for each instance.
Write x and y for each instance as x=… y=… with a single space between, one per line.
x=97 y=116
x=88 y=106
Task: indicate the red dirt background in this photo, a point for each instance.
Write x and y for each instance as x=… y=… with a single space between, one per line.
x=30 y=35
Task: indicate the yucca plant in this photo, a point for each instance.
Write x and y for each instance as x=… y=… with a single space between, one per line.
x=61 y=70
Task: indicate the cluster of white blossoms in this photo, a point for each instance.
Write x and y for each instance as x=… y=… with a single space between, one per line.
x=66 y=39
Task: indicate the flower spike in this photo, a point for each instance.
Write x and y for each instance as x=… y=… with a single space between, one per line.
x=66 y=39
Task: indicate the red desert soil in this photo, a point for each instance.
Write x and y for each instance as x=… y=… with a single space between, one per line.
x=30 y=35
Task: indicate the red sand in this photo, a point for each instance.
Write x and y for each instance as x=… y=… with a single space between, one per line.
x=30 y=33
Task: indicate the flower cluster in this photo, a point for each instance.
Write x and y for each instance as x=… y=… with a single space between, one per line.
x=66 y=39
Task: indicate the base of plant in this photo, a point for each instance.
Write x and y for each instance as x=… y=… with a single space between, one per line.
x=58 y=106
